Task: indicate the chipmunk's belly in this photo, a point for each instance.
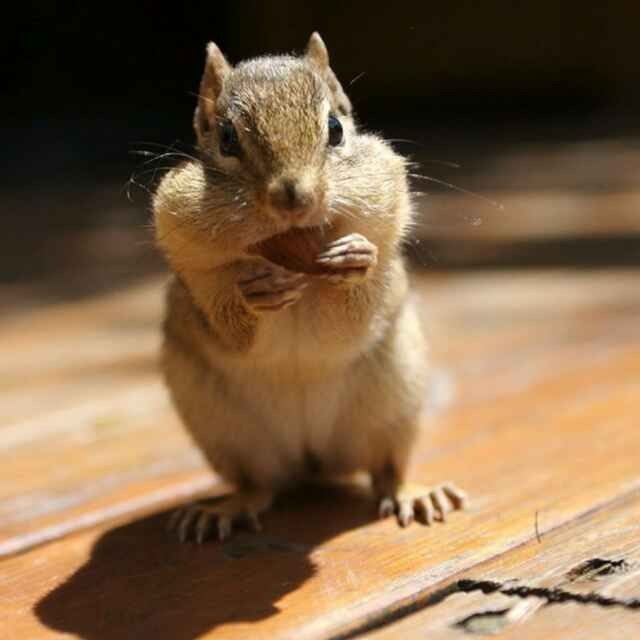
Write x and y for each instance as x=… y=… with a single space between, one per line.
x=298 y=419
x=295 y=390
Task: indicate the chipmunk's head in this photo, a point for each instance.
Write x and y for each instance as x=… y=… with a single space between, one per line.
x=270 y=130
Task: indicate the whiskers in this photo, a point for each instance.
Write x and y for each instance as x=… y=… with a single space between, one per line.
x=145 y=175
x=212 y=208
x=414 y=166
x=150 y=169
x=453 y=187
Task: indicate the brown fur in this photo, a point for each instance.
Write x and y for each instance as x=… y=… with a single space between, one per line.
x=339 y=376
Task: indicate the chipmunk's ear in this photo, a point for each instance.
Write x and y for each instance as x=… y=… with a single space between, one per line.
x=317 y=51
x=216 y=68
x=318 y=56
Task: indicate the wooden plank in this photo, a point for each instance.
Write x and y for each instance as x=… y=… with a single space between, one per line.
x=559 y=189
x=87 y=432
x=547 y=375
x=597 y=555
x=507 y=216
x=79 y=384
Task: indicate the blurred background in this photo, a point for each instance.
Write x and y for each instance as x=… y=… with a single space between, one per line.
x=522 y=116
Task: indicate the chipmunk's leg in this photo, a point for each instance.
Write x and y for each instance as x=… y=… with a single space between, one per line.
x=414 y=501
x=201 y=519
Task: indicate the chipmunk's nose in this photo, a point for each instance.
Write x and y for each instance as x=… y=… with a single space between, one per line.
x=290 y=197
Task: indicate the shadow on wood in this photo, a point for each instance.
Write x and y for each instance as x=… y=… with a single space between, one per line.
x=139 y=582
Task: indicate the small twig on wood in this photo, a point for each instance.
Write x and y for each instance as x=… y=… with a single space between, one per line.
x=538 y=536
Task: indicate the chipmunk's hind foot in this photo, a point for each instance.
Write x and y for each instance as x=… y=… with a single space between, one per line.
x=424 y=504
x=205 y=519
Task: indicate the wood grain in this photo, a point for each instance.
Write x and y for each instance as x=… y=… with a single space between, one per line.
x=563 y=189
x=535 y=399
x=508 y=216
x=87 y=432
x=552 y=562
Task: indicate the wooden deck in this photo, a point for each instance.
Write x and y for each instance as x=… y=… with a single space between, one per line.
x=535 y=409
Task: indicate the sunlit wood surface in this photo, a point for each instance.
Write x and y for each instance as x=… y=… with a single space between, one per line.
x=534 y=410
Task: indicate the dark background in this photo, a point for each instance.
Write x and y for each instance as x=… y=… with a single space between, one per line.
x=86 y=80
x=88 y=84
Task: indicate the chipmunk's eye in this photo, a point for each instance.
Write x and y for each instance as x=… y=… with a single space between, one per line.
x=229 y=143
x=335 y=131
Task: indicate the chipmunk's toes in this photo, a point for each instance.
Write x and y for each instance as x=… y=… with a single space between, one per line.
x=201 y=521
x=225 y=526
x=426 y=505
x=387 y=507
x=405 y=512
x=348 y=260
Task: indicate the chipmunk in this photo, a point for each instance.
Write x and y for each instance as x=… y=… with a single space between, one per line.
x=284 y=372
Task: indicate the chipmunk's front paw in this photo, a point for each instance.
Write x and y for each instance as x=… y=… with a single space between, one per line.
x=268 y=287
x=349 y=260
x=202 y=520
x=423 y=504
